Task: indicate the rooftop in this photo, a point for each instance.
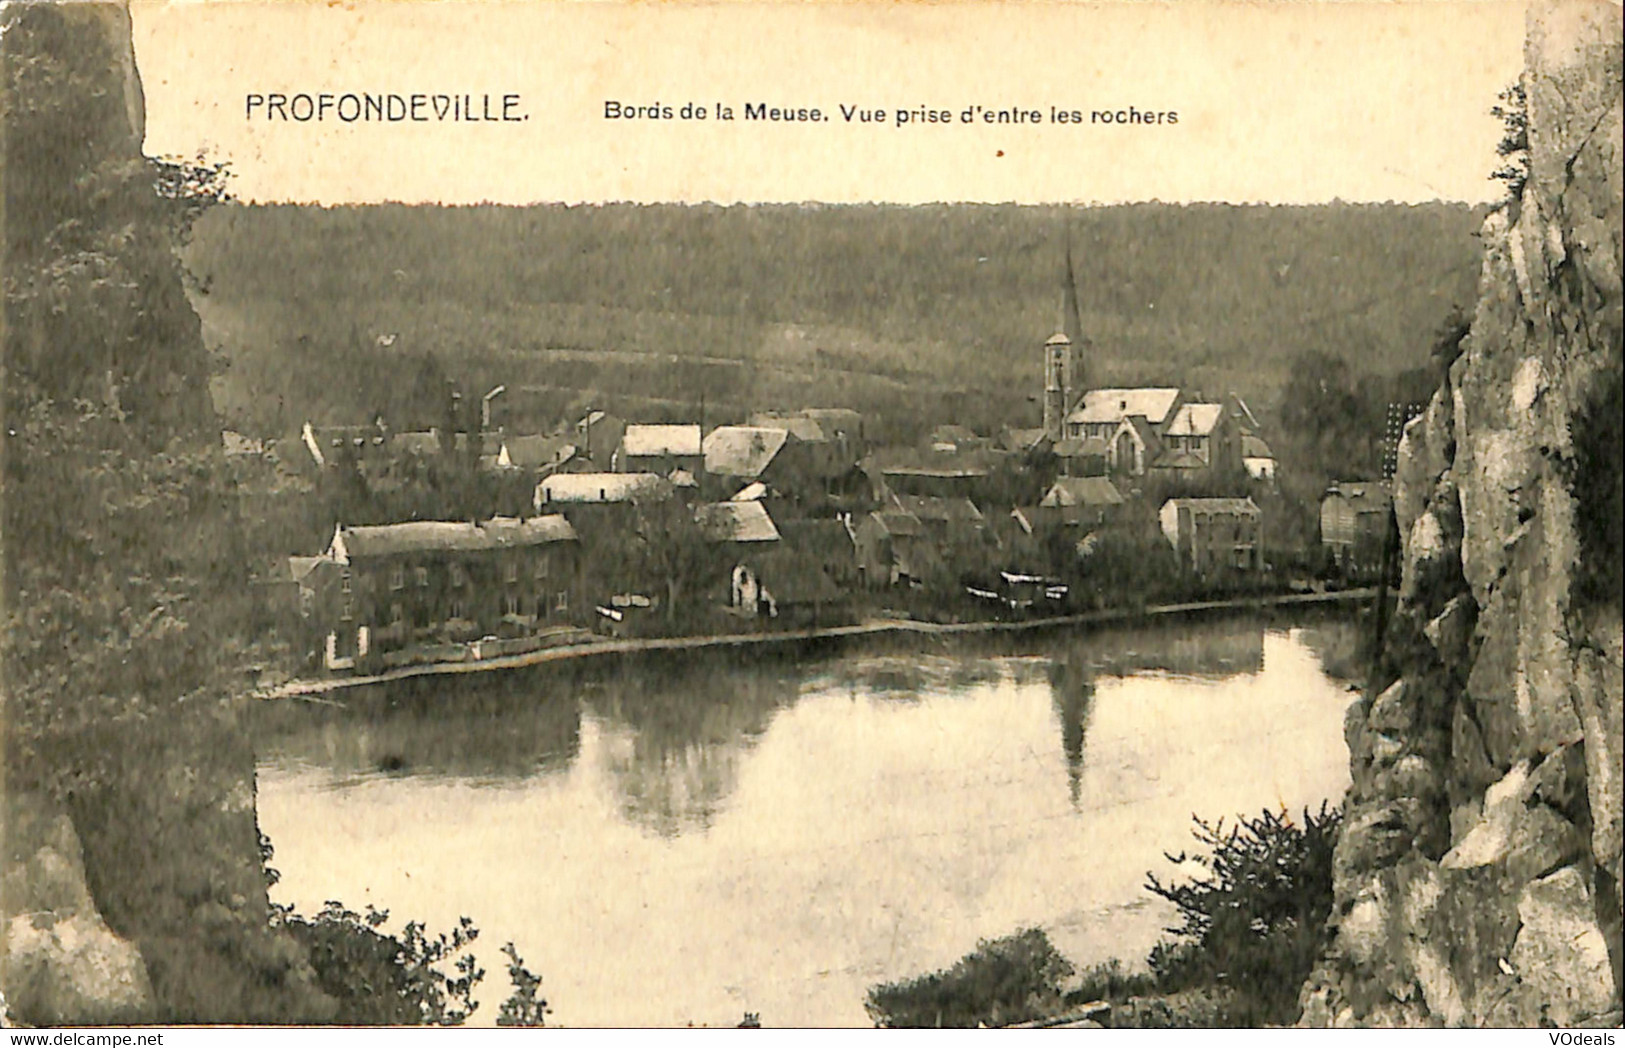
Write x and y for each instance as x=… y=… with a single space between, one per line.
x=1082 y=491
x=1195 y=420
x=643 y=439
x=1254 y=447
x=1082 y=447
x=1233 y=506
x=931 y=507
x=423 y=536
x=735 y=522
x=742 y=451
x=1366 y=496
x=898 y=522
x=792 y=578
x=533 y=452
x=603 y=487
x=1112 y=405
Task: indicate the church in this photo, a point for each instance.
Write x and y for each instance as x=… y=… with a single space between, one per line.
x=1161 y=432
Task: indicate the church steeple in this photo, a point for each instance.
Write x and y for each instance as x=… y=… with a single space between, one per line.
x=1064 y=356
x=1071 y=317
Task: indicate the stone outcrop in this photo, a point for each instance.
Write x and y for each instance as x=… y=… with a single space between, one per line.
x=1478 y=875
x=59 y=962
x=133 y=888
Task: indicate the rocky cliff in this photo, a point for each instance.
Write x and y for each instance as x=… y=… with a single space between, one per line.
x=133 y=887
x=1477 y=879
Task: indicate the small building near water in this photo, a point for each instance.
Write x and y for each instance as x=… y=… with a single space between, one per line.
x=1354 y=524
x=427 y=583
x=1214 y=534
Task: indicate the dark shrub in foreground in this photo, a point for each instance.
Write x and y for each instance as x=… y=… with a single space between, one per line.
x=1256 y=921
x=1010 y=980
x=1252 y=925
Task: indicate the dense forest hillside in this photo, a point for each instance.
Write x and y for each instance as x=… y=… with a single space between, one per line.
x=917 y=314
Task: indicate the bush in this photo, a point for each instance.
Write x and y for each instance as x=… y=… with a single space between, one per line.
x=383 y=980
x=523 y=1007
x=1004 y=981
x=1256 y=922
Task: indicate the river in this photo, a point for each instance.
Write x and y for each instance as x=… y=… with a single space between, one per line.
x=687 y=838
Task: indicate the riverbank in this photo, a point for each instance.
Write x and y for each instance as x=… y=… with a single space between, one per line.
x=594 y=649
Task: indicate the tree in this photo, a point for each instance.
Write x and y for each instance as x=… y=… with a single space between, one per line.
x=1255 y=921
x=672 y=550
x=1512 y=109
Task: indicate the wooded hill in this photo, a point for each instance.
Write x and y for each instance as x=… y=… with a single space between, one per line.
x=919 y=315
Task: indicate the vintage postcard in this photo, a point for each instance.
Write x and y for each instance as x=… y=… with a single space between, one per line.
x=819 y=514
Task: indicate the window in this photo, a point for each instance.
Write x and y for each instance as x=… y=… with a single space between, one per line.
x=510 y=604
x=344 y=581
x=397 y=613
x=541 y=567
x=397 y=577
x=347 y=612
x=422 y=576
x=561 y=600
x=457 y=576
x=510 y=571
x=456 y=609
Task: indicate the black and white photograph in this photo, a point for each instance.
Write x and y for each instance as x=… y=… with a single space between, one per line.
x=820 y=515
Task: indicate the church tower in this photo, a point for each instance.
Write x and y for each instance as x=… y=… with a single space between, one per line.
x=1064 y=358
x=1057 y=358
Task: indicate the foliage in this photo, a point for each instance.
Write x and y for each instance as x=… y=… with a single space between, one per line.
x=645 y=310
x=1512 y=109
x=1110 y=981
x=1333 y=420
x=122 y=565
x=126 y=585
x=384 y=980
x=670 y=547
x=1594 y=475
x=93 y=295
x=523 y=1007
x=1255 y=921
x=1004 y=981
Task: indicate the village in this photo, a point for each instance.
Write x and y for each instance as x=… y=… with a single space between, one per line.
x=470 y=540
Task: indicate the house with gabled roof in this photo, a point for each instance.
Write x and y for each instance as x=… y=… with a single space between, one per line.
x=435 y=581
x=781 y=584
x=740 y=456
x=566 y=489
x=660 y=449
x=893 y=548
x=1257 y=458
x=1214 y=534
x=1133 y=446
x=1354 y=523
x=1101 y=411
x=598 y=436
x=735 y=522
x=535 y=453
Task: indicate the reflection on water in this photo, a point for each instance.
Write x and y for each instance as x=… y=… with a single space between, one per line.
x=673 y=760
x=1072 y=686
x=485 y=729
x=688 y=839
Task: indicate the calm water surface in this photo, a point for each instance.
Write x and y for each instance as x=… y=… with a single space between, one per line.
x=686 y=840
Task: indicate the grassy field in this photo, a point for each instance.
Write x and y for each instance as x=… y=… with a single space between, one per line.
x=919 y=315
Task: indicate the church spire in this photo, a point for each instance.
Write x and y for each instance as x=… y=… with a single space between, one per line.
x=1071 y=317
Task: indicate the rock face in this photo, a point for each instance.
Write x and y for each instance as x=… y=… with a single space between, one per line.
x=1478 y=876
x=136 y=892
x=59 y=962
